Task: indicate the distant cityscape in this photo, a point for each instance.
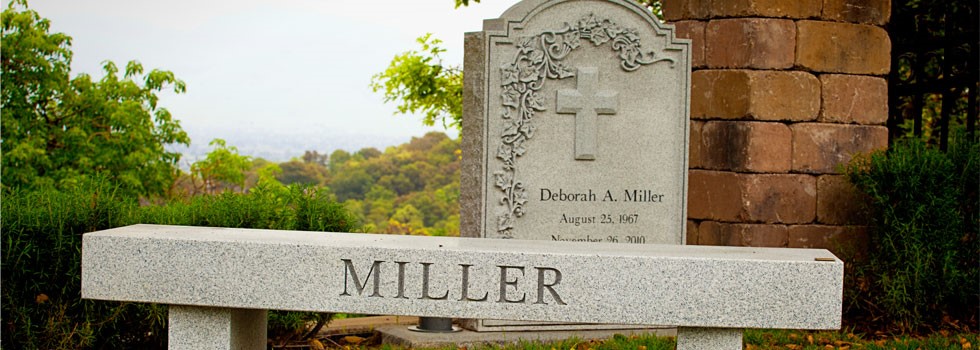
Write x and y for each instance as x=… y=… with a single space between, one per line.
x=281 y=146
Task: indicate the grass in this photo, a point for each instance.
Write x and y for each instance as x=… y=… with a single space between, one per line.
x=753 y=340
x=803 y=340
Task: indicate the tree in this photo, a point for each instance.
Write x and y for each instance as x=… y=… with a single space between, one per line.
x=351 y=184
x=296 y=171
x=337 y=159
x=369 y=152
x=222 y=168
x=423 y=84
x=315 y=157
x=58 y=131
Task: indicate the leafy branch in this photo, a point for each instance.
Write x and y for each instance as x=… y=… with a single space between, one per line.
x=423 y=85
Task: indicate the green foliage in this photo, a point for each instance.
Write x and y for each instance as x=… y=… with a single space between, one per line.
x=351 y=184
x=57 y=131
x=42 y=231
x=923 y=262
x=465 y=2
x=303 y=172
x=269 y=205
x=409 y=189
x=222 y=168
x=42 y=235
x=423 y=84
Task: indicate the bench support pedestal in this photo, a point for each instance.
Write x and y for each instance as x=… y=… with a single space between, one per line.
x=211 y=328
x=708 y=338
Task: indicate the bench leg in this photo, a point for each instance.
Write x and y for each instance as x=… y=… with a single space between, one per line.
x=211 y=328
x=709 y=338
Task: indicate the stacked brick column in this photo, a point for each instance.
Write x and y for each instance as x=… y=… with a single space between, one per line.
x=783 y=92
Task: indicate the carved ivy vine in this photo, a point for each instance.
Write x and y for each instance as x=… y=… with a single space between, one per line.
x=540 y=58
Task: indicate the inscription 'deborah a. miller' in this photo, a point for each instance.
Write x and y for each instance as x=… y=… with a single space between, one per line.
x=548 y=279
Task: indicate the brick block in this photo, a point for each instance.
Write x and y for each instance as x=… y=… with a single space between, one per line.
x=746 y=146
x=798 y=9
x=821 y=148
x=779 y=198
x=839 y=202
x=854 y=99
x=720 y=94
x=675 y=10
x=762 y=43
x=875 y=12
x=696 y=146
x=692 y=232
x=693 y=30
x=743 y=235
x=714 y=195
x=847 y=242
x=833 y=47
x=756 y=95
x=751 y=198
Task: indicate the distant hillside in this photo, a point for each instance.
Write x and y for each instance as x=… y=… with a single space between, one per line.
x=412 y=188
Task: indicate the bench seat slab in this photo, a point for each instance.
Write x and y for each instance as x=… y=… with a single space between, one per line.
x=686 y=286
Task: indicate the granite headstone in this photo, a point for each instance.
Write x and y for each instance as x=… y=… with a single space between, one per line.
x=575 y=125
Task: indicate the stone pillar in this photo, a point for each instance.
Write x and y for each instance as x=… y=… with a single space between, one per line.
x=211 y=328
x=783 y=93
x=709 y=339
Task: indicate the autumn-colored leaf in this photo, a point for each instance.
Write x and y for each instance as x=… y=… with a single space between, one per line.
x=353 y=339
x=41 y=298
x=316 y=345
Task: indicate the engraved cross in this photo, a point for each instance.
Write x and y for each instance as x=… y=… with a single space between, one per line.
x=586 y=103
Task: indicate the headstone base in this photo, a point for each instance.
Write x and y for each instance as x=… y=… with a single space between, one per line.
x=528 y=326
x=400 y=335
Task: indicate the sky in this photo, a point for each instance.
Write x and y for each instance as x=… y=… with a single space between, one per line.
x=264 y=66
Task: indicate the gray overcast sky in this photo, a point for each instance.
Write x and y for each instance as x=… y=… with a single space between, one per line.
x=263 y=64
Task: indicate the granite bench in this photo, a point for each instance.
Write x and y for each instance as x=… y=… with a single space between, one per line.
x=220 y=283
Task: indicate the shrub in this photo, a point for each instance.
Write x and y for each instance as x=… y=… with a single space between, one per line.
x=41 y=260
x=922 y=264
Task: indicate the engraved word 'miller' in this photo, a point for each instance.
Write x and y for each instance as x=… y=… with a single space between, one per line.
x=548 y=279
x=586 y=103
